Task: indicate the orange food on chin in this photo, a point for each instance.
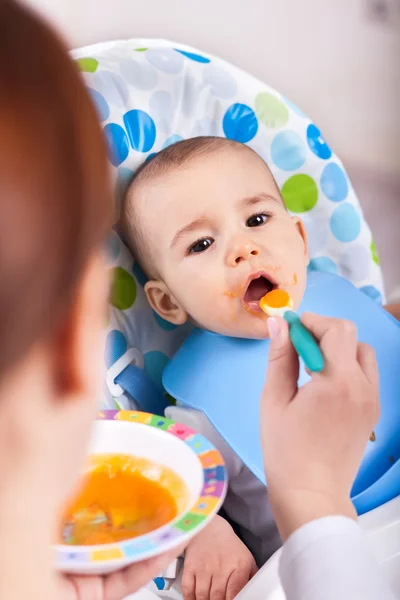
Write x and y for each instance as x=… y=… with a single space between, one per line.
x=122 y=497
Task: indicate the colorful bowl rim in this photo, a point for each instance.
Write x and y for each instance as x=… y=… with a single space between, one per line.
x=208 y=503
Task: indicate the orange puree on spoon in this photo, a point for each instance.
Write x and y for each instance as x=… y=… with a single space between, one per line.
x=276 y=303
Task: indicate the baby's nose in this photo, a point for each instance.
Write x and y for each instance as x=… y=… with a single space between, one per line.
x=241 y=251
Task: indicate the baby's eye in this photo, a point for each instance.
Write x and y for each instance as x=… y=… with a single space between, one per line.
x=257 y=220
x=200 y=246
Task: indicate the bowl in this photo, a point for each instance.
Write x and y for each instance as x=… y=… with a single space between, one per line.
x=187 y=453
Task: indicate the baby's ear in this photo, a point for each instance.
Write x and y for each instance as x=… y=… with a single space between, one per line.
x=164 y=303
x=303 y=234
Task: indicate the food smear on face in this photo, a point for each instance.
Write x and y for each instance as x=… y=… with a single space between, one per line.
x=122 y=497
x=295 y=279
x=255 y=313
x=232 y=312
x=276 y=302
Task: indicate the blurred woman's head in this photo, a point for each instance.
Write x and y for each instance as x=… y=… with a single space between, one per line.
x=55 y=209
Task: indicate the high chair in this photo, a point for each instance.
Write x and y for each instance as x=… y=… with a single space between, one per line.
x=152 y=93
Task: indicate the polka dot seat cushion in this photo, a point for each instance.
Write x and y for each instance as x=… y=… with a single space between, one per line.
x=152 y=93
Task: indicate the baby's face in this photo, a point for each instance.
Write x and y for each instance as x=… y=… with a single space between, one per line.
x=221 y=238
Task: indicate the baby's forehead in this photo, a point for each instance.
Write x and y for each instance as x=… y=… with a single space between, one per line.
x=188 y=187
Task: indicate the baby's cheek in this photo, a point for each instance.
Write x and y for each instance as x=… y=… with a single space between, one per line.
x=298 y=286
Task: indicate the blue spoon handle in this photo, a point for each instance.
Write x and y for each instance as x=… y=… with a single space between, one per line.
x=304 y=342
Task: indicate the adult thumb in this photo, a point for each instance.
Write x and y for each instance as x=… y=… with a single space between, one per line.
x=283 y=364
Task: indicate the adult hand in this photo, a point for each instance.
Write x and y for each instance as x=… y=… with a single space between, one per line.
x=115 y=586
x=314 y=437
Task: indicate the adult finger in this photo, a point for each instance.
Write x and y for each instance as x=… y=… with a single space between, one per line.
x=80 y=588
x=367 y=360
x=283 y=364
x=337 y=338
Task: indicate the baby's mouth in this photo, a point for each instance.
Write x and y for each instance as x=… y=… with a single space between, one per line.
x=257 y=287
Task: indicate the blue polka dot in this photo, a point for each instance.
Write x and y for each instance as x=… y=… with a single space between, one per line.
x=323 y=263
x=166 y=325
x=117 y=142
x=288 y=151
x=162 y=109
x=173 y=139
x=113 y=86
x=372 y=292
x=345 y=223
x=240 y=123
x=334 y=183
x=116 y=346
x=150 y=156
x=141 y=75
x=317 y=143
x=223 y=85
x=166 y=60
x=103 y=110
x=193 y=56
x=141 y=130
x=154 y=364
x=139 y=275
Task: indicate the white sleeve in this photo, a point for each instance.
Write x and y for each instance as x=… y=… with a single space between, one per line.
x=329 y=559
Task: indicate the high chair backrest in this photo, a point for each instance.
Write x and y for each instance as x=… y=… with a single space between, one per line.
x=152 y=93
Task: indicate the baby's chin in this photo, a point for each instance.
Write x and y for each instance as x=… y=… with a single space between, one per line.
x=254 y=329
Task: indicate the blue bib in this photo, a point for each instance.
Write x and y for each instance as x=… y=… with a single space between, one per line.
x=223 y=377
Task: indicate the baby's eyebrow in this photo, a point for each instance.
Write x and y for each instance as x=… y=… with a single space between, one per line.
x=196 y=224
x=257 y=199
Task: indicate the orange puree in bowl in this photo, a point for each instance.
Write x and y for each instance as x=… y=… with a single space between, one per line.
x=122 y=497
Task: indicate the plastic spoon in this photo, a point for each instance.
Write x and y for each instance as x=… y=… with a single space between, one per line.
x=279 y=303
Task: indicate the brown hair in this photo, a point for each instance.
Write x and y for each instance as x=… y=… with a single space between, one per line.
x=55 y=199
x=176 y=156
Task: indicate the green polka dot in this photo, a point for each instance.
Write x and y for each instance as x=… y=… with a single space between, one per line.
x=374 y=253
x=89 y=65
x=300 y=193
x=140 y=49
x=271 y=111
x=123 y=290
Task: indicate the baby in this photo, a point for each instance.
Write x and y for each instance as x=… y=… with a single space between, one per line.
x=205 y=220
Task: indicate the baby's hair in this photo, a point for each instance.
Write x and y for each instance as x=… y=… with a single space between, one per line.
x=175 y=156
